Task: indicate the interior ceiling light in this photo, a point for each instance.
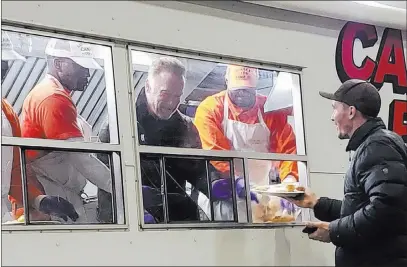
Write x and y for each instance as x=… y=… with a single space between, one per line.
x=380 y=5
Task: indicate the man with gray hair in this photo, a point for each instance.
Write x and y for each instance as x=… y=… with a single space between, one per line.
x=160 y=123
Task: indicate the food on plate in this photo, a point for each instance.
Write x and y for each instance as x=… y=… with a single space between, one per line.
x=261 y=187
x=282 y=219
x=300 y=188
x=269 y=210
x=290 y=187
x=21 y=219
x=278 y=188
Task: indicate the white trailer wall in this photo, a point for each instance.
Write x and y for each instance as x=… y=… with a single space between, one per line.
x=190 y=27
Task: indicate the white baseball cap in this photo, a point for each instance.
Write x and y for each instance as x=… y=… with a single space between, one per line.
x=7 y=49
x=81 y=53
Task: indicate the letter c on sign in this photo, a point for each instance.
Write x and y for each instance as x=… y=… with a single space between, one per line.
x=345 y=66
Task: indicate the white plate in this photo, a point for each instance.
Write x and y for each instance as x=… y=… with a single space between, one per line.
x=31 y=223
x=279 y=194
x=44 y=222
x=276 y=190
x=12 y=223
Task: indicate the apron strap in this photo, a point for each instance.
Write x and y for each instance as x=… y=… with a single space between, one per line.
x=225 y=113
x=261 y=120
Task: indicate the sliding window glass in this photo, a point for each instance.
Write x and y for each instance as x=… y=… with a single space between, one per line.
x=61 y=158
x=218 y=142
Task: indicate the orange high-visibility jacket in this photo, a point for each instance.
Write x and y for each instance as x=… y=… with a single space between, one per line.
x=208 y=121
x=48 y=112
x=16 y=192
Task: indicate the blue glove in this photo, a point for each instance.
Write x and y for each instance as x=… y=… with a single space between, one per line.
x=241 y=190
x=148 y=218
x=288 y=206
x=151 y=197
x=221 y=189
x=58 y=206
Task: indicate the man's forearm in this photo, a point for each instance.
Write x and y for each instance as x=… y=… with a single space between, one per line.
x=93 y=169
x=327 y=209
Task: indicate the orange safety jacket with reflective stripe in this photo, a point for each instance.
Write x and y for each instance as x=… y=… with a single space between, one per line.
x=208 y=120
x=34 y=187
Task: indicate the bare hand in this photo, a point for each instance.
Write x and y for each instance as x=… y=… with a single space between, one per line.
x=322 y=233
x=308 y=200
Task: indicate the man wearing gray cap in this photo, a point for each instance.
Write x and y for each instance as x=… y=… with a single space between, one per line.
x=369 y=226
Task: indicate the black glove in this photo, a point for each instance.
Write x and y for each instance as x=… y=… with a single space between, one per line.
x=58 y=206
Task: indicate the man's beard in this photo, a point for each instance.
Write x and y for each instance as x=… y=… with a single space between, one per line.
x=345 y=134
x=342 y=136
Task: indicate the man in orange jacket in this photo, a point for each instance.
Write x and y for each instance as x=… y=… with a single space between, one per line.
x=235 y=120
x=48 y=112
x=11 y=164
x=41 y=206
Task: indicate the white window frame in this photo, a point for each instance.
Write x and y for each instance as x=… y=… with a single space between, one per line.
x=120 y=80
x=219 y=154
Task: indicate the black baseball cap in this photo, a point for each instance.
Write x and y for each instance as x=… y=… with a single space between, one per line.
x=363 y=95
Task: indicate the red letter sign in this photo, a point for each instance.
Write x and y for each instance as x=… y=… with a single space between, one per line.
x=391 y=65
x=398 y=118
x=345 y=65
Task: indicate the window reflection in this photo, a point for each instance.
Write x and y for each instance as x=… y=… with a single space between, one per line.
x=232 y=107
x=59 y=89
x=61 y=188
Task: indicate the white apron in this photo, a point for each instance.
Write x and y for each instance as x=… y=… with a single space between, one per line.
x=6 y=167
x=61 y=174
x=85 y=128
x=244 y=137
x=90 y=189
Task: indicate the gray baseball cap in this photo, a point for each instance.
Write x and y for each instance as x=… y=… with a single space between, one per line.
x=361 y=94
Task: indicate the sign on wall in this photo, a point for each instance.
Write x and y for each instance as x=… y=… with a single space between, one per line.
x=388 y=67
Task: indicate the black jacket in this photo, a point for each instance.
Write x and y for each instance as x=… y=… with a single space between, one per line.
x=369 y=227
x=178 y=131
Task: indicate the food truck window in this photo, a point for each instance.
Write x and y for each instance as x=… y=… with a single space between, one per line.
x=61 y=158
x=210 y=135
x=82 y=72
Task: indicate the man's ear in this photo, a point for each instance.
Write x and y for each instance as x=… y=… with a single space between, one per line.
x=147 y=86
x=57 y=63
x=352 y=112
